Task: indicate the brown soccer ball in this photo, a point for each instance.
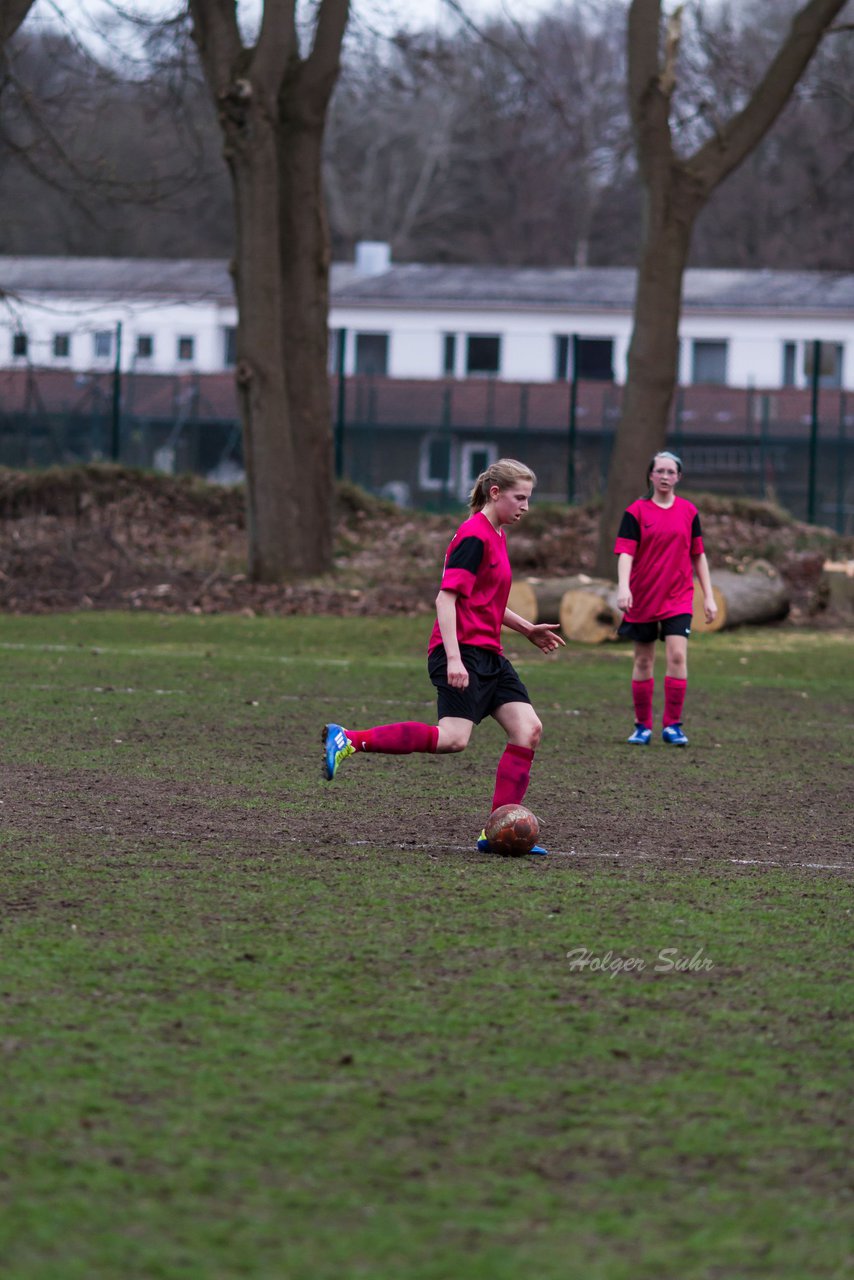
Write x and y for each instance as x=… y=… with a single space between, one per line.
x=512 y=830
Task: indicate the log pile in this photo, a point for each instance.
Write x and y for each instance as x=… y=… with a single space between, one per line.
x=838 y=581
x=587 y=607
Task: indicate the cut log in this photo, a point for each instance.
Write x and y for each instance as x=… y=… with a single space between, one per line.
x=539 y=599
x=838 y=580
x=698 y=620
x=755 y=596
x=523 y=600
x=589 y=613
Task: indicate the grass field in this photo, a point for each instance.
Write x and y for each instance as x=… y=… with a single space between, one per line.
x=256 y=1025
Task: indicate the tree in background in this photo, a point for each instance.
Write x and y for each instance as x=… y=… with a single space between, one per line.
x=676 y=187
x=12 y=14
x=272 y=104
x=110 y=153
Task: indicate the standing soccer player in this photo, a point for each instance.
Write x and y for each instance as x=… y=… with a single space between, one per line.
x=659 y=548
x=465 y=660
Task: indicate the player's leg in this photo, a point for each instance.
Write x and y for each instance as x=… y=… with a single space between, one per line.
x=675 y=688
x=510 y=705
x=524 y=730
x=643 y=688
x=404 y=737
x=399 y=739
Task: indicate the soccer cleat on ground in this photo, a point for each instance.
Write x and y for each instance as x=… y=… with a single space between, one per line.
x=336 y=747
x=640 y=737
x=484 y=847
x=672 y=734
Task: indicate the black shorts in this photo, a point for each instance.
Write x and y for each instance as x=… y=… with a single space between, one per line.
x=647 y=632
x=492 y=683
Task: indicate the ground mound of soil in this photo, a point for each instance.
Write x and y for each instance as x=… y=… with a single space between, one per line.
x=106 y=537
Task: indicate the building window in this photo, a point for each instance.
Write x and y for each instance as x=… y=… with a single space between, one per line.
x=595 y=359
x=449 y=355
x=789 y=363
x=144 y=346
x=230 y=346
x=474 y=459
x=593 y=356
x=561 y=357
x=829 y=366
x=103 y=344
x=61 y=346
x=186 y=348
x=436 y=461
x=19 y=344
x=372 y=353
x=709 y=360
x=483 y=353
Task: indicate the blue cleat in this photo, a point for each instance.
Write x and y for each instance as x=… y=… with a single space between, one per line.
x=672 y=734
x=483 y=846
x=640 y=737
x=336 y=747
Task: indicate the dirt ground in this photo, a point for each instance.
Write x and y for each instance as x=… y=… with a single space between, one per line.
x=103 y=537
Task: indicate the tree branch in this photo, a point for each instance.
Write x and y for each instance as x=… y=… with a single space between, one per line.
x=217 y=38
x=277 y=45
x=321 y=68
x=649 y=99
x=738 y=136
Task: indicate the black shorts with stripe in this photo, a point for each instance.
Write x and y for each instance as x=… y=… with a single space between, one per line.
x=648 y=632
x=493 y=681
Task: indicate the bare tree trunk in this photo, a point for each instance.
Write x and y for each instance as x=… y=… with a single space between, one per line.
x=305 y=265
x=272 y=108
x=272 y=512
x=652 y=367
x=676 y=190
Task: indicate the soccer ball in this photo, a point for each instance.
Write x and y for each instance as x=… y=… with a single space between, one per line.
x=512 y=830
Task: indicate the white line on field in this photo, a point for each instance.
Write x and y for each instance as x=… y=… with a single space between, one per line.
x=647 y=857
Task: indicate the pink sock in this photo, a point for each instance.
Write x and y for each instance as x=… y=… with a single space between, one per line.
x=512 y=776
x=396 y=739
x=674 y=699
x=642 y=691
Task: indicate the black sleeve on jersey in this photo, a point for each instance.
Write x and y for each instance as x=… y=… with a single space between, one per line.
x=629 y=527
x=467 y=554
x=696 y=532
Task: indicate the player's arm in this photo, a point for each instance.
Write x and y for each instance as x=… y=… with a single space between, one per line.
x=542 y=634
x=701 y=568
x=446 y=615
x=624 y=573
x=626 y=547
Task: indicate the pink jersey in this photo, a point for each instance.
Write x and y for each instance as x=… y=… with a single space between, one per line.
x=661 y=541
x=477 y=570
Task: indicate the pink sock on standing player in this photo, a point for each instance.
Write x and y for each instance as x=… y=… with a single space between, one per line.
x=642 y=691
x=396 y=739
x=512 y=776
x=674 y=699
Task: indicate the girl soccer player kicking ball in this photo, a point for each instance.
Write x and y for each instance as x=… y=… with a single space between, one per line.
x=464 y=657
x=659 y=547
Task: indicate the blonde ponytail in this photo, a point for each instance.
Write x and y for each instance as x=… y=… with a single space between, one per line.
x=505 y=473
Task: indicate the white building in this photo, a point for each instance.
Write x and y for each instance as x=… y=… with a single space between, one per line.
x=417 y=321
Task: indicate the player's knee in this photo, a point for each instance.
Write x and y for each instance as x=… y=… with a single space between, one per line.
x=535 y=734
x=451 y=741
